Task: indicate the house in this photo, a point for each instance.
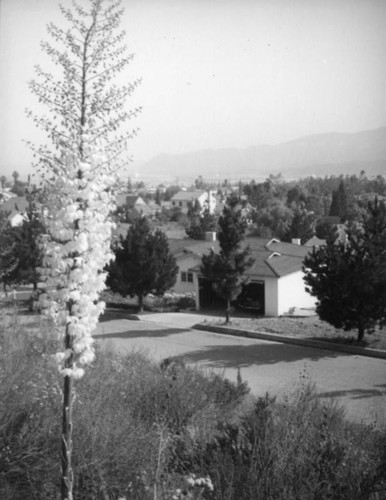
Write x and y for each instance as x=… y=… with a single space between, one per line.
x=6 y=194
x=16 y=207
x=315 y=242
x=134 y=203
x=188 y=199
x=276 y=283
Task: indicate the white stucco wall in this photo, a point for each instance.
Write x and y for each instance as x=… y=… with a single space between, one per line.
x=280 y=294
x=292 y=293
x=183 y=265
x=271 y=296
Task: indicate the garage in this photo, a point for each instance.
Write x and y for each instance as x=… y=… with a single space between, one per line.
x=251 y=298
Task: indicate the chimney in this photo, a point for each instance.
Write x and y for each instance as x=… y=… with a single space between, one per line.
x=296 y=241
x=210 y=235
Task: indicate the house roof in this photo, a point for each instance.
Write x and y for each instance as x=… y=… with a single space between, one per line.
x=6 y=194
x=315 y=242
x=134 y=199
x=271 y=257
x=181 y=247
x=188 y=195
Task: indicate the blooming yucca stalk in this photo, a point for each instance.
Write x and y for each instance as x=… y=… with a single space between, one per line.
x=80 y=174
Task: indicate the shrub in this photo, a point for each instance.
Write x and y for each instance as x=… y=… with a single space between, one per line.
x=129 y=417
x=144 y=431
x=299 y=450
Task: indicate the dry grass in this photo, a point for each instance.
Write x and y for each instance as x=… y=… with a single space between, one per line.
x=141 y=429
x=310 y=327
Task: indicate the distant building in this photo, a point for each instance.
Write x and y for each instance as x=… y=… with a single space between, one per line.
x=188 y=199
x=6 y=194
x=16 y=207
x=315 y=242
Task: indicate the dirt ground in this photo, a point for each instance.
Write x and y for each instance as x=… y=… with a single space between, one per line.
x=309 y=327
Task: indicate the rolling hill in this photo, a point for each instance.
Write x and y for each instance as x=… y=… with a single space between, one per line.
x=319 y=155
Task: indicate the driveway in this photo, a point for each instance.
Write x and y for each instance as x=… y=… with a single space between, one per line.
x=358 y=382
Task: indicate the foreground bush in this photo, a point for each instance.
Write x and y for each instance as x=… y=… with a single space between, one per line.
x=143 y=431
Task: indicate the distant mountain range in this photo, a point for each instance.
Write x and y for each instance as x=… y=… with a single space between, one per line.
x=319 y=155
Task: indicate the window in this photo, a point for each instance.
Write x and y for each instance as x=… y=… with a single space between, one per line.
x=180 y=203
x=186 y=277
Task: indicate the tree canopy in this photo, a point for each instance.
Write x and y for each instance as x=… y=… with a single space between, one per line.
x=143 y=263
x=8 y=255
x=200 y=222
x=349 y=278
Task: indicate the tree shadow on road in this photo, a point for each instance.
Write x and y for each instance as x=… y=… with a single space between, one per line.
x=236 y=356
x=132 y=334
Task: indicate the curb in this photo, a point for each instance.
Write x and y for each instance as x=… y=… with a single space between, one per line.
x=318 y=344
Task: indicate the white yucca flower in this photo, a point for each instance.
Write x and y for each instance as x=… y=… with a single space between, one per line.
x=77 y=250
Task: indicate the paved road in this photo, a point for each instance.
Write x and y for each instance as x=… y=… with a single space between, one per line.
x=356 y=381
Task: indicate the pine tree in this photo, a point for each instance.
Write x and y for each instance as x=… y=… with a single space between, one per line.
x=349 y=278
x=143 y=263
x=302 y=224
x=339 y=203
x=226 y=269
x=27 y=248
x=8 y=256
x=200 y=223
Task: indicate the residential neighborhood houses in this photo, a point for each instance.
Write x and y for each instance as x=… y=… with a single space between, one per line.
x=275 y=281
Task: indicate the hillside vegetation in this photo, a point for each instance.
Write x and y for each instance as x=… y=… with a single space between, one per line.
x=147 y=431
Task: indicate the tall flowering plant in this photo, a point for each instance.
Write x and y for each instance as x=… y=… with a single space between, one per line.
x=86 y=110
x=77 y=249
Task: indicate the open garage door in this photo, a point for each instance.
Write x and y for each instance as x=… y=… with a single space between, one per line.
x=252 y=298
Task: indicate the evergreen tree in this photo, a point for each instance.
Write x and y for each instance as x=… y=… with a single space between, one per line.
x=339 y=203
x=143 y=263
x=28 y=247
x=200 y=224
x=8 y=255
x=302 y=224
x=349 y=278
x=226 y=269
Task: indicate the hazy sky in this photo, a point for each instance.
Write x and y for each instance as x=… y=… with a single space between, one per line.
x=218 y=73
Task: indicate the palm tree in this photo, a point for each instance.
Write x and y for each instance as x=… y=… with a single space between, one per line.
x=15 y=176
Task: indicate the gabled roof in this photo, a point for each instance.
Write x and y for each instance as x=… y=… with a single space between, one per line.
x=188 y=195
x=134 y=199
x=272 y=258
